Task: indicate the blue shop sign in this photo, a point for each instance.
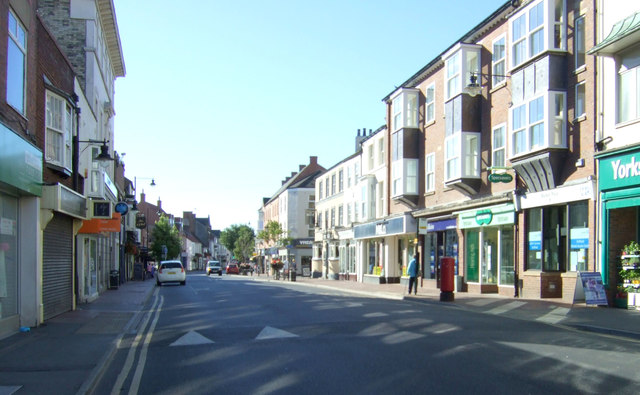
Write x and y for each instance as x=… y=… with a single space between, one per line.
x=438 y=226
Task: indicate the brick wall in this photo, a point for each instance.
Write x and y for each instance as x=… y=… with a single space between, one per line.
x=70 y=32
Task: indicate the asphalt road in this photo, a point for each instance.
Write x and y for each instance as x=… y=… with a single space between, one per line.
x=233 y=335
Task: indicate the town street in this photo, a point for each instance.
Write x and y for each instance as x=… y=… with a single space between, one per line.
x=236 y=335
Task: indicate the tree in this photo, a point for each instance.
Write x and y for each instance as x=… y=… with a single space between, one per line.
x=244 y=244
x=238 y=239
x=165 y=234
x=272 y=232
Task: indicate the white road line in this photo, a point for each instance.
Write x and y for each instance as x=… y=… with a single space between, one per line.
x=506 y=307
x=137 y=377
x=556 y=315
x=482 y=302
x=126 y=368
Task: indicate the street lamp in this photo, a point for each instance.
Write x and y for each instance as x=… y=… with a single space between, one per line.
x=135 y=188
x=103 y=156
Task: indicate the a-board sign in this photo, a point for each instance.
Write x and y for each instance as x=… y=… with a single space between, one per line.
x=591 y=283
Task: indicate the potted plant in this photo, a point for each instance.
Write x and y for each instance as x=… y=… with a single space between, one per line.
x=631 y=253
x=620 y=298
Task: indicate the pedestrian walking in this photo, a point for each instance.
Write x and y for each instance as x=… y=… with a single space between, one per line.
x=412 y=271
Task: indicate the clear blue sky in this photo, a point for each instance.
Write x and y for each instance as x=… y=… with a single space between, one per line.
x=223 y=99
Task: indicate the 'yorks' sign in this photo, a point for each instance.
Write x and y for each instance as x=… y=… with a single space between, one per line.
x=619 y=171
x=625 y=170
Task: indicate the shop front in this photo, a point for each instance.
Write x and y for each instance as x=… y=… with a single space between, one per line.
x=619 y=192
x=298 y=255
x=96 y=254
x=62 y=212
x=489 y=253
x=383 y=248
x=347 y=255
x=440 y=239
x=557 y=239
x=20 y=243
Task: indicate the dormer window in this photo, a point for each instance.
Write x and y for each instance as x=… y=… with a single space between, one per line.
x=404 y=109
x=461 y=63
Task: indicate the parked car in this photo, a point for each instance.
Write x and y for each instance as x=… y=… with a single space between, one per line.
x=232 y=268
x=171 y=272
x=214 y=267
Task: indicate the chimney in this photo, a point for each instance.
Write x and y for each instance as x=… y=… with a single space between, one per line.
x=159 y=204
x=300 y=167
x=313 y=160
x=142 y=195
x=359 y=139
x=293 y=173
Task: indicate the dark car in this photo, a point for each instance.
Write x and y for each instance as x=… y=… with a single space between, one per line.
x=232 y=268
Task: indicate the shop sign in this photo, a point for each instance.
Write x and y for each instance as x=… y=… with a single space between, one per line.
x=422 y=226
x=495 y=215
x=484 y=217
x=20 y=162
x=579 y=238
x=500 y=177
x=535 y=241
x=620 y=171
x=572 y=193
x=141 y=221
x=438 y=226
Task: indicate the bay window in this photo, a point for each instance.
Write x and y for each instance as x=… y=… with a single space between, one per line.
x=59 y=121
x=539 y=123
x=405 y=177
x=405 y=109
x=462 y=155
x=537 y=28
x=461 y=63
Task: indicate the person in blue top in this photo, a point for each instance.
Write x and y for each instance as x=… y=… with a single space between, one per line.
x=412 y=271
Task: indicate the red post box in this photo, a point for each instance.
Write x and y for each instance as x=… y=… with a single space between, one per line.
x=447 y=273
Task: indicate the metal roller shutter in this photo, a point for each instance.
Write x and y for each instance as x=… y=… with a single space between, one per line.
x=57 y=266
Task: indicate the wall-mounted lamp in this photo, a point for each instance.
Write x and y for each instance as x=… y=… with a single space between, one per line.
x=474 y=88
x=102 y=157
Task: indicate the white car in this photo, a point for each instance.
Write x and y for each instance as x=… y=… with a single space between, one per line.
x=171 y=272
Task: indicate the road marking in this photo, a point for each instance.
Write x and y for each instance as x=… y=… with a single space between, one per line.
x=8 y=390
x=126 y=368
x=556 y=315
x=273 y=333
x=506 y=307
x=374 y=315
x=137 y=376
x=191 y=338
x=482 y=302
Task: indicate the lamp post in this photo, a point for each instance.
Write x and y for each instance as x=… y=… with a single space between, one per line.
x=516 y=195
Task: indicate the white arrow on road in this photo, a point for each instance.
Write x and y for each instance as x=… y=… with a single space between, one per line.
x=273 y=333
x=191 y=338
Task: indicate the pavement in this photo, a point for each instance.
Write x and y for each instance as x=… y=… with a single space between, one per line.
x=68 y=354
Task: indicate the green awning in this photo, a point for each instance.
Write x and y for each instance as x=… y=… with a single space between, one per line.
x=623 y=34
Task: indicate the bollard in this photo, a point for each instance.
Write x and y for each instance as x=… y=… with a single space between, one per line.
x=447 y=271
